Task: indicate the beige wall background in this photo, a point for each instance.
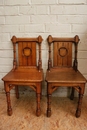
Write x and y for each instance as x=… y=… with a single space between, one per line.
x=30 y=18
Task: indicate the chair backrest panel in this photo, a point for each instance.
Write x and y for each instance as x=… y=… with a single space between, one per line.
x=27 y=53
x=62 y=54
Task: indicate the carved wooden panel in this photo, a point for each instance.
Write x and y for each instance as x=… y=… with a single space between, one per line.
x=62 y=55
x=27 y=53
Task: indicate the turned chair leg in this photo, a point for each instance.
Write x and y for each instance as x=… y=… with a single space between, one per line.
x=78 y=111
x=81 y=92
x=41 y=93
x=17 y=92
x=72 y=94
x=38 y=110
x=49 y=105
x=9 y=109
x=7 y=90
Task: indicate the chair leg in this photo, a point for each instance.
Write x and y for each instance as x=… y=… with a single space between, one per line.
x=38 y=110
x=9 y=109
x=41 y=92
x=7 y=90
x=48 y=105
x=72 y=94
x=17 y=92
x=78 y=111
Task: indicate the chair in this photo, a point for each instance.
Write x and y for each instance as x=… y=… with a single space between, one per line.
x=25 y=71
x=61 y=72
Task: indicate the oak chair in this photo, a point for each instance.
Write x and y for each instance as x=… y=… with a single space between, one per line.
x=25 y=71
x=61 y=72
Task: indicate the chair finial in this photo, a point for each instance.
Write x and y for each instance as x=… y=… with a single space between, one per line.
x=76 y=38
x=14 y=39
x=50 y=39
x=40 y=39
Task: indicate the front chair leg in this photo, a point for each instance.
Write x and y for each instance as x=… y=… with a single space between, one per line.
x=38 y=110
x=48 y=105
x=9 y=109
x=78 y=111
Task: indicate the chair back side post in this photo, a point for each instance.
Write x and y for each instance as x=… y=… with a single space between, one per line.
x=14 y=52
x=49 y=60
x=75 y=63
x=39 y=60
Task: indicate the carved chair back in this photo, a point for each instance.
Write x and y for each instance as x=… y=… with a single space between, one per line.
x=62 y=52
x=25 y=52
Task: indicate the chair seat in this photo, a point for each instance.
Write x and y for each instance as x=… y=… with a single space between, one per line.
x=64 y=75
x=24 y=75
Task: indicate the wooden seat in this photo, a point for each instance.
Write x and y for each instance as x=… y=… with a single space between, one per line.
x=25 y=70
x=61 y=72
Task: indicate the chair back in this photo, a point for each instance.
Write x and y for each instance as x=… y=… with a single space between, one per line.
x=62 y=52
x=25 y=52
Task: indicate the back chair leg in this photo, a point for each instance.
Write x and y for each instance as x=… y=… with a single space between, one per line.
x=17 y=92
x=38 y=110
x=41 y=92
x=72 y=94
x=49 y=105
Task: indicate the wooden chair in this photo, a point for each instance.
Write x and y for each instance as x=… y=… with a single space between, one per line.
x=62 y=73
x=25 y=71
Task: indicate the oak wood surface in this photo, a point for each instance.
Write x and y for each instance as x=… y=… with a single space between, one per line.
x=64 y=75
x=28 y=75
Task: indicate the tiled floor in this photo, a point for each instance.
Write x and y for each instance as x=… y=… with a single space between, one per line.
x=24 y=118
